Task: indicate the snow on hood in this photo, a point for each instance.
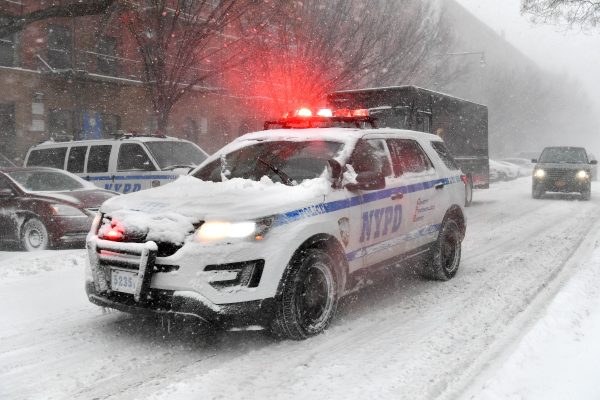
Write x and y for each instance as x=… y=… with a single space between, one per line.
x=168 y=213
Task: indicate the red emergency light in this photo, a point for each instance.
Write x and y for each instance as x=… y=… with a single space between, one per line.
x=304 y=117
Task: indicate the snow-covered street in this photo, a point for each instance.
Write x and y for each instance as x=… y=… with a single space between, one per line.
x=507 y=326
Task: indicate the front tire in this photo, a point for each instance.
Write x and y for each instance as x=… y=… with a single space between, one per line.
x=34 y=235
x=537 y=192
x=445 y=259
x=586 y=194
x=309 y=298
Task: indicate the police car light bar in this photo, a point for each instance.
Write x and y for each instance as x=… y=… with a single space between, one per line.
x=305 y=118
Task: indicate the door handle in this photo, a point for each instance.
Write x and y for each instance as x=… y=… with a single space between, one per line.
x=397 y=196
x=439 y=186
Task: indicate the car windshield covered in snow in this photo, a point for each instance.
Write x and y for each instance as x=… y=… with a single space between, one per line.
x=570 y=155
x=288 y=162
x=47 y=181
x=176 y=154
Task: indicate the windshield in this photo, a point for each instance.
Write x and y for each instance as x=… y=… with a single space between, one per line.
x=176 y=154
x=568 y=155
x=278 y=160
x=46 y=181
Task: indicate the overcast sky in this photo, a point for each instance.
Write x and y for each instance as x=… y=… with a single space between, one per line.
x=553 y=48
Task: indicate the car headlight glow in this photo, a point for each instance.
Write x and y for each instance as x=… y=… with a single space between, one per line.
x=214 y=231
x=582 y=175
x=539 y=173
x=64 y=210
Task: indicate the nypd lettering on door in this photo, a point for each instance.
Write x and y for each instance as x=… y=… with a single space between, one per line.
x=380 y=222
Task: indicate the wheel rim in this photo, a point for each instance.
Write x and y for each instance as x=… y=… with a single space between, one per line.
x=35 y=238
x=314 y=300
x=450 y=252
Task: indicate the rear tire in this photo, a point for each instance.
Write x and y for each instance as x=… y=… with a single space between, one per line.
x=34 y=235
x=309 y=298
x=468 y=191
x=445 y=259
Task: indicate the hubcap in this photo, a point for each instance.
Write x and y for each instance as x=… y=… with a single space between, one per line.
x=35 y=238
x=314 y=297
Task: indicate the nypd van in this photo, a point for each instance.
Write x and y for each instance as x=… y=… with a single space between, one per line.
x=125 y=164
x=277 y=226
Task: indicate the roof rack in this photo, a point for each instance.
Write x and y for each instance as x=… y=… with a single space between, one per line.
x=133 y=134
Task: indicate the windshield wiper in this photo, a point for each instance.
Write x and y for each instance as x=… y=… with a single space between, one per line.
x=284 y=177
x=175 y=166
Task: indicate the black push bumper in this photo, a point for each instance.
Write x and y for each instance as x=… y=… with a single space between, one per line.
x=178 y=305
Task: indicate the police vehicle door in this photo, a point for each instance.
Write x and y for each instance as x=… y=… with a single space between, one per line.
x=422 y=189
x=381 y=211
x=135 y=169
x=97 y=166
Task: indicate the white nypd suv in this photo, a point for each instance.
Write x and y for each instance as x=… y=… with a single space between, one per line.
x=277 y=226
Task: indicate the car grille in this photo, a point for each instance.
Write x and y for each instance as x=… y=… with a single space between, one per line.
x=562 y=174
x=165 y=249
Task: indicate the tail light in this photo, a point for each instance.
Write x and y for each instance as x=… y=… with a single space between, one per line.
x=465 y=179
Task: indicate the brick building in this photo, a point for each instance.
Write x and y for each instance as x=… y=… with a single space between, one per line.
x=69 y=79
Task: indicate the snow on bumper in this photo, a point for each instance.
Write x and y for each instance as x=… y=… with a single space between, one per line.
x=195 y=281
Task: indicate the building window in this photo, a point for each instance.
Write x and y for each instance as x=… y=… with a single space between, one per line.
x=107 y=53
x=60 y=123
x=8 y=51
x=60 y=47
x=111 y=124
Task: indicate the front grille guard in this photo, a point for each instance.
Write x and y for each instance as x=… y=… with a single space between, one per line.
x=147 y=258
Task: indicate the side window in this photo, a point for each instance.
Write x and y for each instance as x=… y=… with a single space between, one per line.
x=408 y=156
x=442 y=151
x=76 y=160
x=54 y=158
x=133 y=157
x=98 y=158
x=371 y=156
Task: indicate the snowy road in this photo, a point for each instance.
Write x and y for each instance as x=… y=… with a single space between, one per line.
x=399 y=338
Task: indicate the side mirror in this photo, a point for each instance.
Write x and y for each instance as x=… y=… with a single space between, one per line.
x=534 y=160
x=335 y=169
x=4 y=193
x=367 y=181
x=593 y=162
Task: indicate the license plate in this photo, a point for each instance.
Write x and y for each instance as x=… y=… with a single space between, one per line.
x=560 y=183
x=123 y=281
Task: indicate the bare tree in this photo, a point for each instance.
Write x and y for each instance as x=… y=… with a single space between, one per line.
x=314 y=47
x=584 y=13
x=10 y=24
x=182 y=44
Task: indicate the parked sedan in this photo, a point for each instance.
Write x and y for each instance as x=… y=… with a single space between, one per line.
x=502 y=171
x=46 y=207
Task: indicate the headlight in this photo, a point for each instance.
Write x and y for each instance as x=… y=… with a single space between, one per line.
x=582 y=175
x=539 y=173
x=214 y=231
x=63 y=210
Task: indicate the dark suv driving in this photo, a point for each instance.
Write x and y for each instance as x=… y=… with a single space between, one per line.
x=562 y=169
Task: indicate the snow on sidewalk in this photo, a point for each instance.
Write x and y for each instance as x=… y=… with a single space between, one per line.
x=559 y=357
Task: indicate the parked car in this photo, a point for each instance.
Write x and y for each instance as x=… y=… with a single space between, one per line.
x=124 y=164
x=525 y=165
x=502 y=171
x=562 y=169
x=46 y=207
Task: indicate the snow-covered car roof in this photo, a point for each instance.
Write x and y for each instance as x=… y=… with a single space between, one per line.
x=340 y=135
x=140 y=138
